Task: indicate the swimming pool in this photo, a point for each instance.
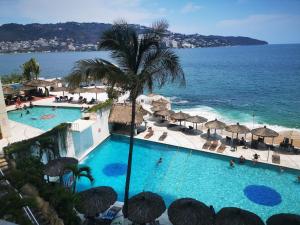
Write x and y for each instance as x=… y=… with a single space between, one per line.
x=44 y=117
x=260 y=188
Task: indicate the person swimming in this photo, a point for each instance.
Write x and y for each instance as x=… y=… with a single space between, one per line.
x=242 y=159
x=232 y=163
x=159 y=161
x=21 y=115
x=27 y=112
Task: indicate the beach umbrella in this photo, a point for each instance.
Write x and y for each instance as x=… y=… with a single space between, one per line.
x=196 y=120
x=96 y=200
x=164 y=112
x=236 y=216
x=145 y=207
x=38 y=83
x=237 y=129
x=264 y=132
x=284 y=219
x=158 y=108
x=214 y=124
x=180 y=116
x=77 y=91
x=188 y=211
x=56 y=167
x=8 y=90
x=95 y=90
x=60 y=89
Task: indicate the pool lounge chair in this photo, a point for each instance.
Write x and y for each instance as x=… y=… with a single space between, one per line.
x=206 y=145
x=70 y=100
x=149 y=135
x=213 y=146
x=221 y=148
x=110 y=214
x=163 y=136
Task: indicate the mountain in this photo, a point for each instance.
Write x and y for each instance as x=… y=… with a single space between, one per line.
x=84 y=36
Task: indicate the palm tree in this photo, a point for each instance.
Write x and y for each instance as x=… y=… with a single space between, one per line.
x=79 y=172
x=31 y=69
x=142 y=63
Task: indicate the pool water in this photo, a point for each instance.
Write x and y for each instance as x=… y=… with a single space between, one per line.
x=262 y=189
x=45 y=118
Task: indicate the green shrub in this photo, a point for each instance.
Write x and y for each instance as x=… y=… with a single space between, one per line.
x=101 y=105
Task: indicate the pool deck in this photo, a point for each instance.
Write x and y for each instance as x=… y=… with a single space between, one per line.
x=196 y=142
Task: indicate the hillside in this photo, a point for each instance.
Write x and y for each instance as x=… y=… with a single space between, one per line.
x=84 y=36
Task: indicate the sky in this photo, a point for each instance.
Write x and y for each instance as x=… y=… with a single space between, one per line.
x=275 y=21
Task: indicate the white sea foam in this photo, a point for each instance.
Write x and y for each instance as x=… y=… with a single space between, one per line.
x=177 y=100
x=247 y=119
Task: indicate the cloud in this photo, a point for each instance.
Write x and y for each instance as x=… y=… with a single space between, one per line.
x=84 y=11
x=276 y=28
x=191 y=7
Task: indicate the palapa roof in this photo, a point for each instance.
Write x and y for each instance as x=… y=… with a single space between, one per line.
x=145 y=207
x=164 y=112
x=237 y=129
x=215 y=124
x=180 y=116
x=284 y=218
x=158 y=108
x=8 y=90
x=121 y=113
x=94 y=90
x=59 y=89
x=38 y=83
x=232 y=215
x=188 y=211
x=56 y=167
x=96 y=200
x=264 y=132
x=196 y=119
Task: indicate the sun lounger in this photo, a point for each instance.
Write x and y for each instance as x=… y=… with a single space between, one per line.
x=221 y=148
x=206 y=145
x=111 y=213
x=213 y=146
x=163 y=136
x=149 y=135
x=70 y=100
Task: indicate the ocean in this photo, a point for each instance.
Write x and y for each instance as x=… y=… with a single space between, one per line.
x=253 y=85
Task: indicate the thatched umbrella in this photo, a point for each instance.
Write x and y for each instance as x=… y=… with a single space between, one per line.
x=232 y=215
x=290 y=134
x=56 y=81
x=95 y=90
x=121 y=114
x=264 y=132
x=237 y=129
x=8 y=90
x=25 y=88
x=164 y=112
x=39 y=83
x=60 y=89
x=158 y=108
x=284 y=219
x=188 y=211
x=160 y=101
x=96 y=200
x=196 y=120
x=56 y=167
x=145 y=207
x=215 y=124
x=77 y=90
x=180 y=116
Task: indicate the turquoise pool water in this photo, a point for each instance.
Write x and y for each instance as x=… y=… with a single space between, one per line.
x=45 y=118
x=262 y=189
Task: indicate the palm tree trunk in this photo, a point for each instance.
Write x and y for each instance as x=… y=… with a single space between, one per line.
x=132 y=126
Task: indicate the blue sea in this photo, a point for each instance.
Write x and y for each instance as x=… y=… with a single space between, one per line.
x=247 y=84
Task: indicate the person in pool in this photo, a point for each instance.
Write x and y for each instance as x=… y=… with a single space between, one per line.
x=159 y=161
x=232 y=163
x=255 y=158
x=30 y=104
x=242 y=159
x=27 y=112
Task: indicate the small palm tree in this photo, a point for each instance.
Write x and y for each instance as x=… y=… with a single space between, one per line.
x=31 y=69
x=79 y=172
x=142 y=63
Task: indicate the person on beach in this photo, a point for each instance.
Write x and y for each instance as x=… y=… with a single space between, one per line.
x=242 y=159
x=232 y=163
